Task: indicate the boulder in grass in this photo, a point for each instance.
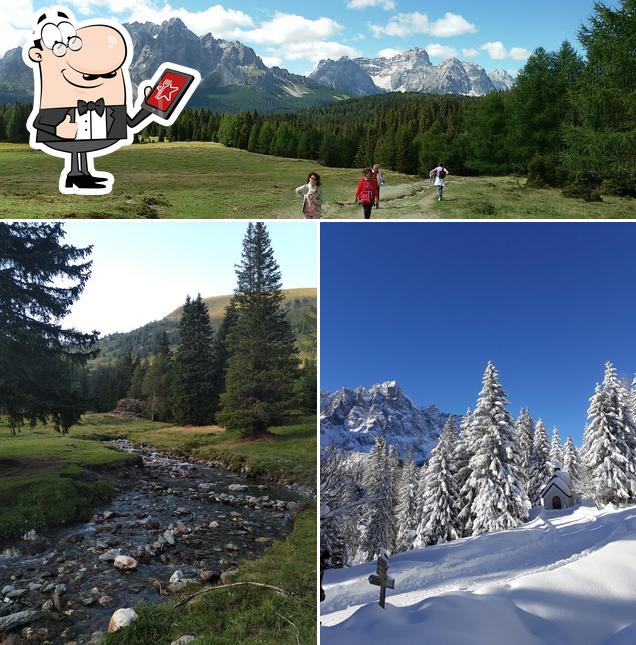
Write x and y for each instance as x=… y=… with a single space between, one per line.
x=121 y=618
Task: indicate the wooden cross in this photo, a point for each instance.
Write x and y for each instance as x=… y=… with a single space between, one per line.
x=381 y=577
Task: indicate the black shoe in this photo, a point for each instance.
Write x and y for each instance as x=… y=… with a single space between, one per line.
x=84 y=181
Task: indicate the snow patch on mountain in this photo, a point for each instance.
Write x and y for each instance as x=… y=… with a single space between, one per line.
x=352 y=419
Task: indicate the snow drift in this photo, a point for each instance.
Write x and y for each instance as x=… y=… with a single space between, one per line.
x=565 y=578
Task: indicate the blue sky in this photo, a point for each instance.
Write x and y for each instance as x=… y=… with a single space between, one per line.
x=294 y=35
x=430 y=304
x=144 y=270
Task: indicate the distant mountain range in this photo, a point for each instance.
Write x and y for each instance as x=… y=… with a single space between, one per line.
x=410 y=71
x=353 y=419
x=235 y=78
x=300 y=305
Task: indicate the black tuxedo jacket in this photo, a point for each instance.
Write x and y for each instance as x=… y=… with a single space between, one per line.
x=117 y=122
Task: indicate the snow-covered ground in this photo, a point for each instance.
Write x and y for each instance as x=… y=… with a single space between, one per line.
x=566 y=577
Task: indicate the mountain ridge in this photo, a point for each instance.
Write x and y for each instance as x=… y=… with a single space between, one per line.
x=352 y=419
x=235 y=78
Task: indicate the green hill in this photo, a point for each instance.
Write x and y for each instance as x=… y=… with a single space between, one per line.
x=300 y=305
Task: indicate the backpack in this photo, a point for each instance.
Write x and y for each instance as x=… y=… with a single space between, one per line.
x=367 y=194
x=441 y=173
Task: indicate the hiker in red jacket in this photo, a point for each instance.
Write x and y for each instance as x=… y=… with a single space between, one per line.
x=367 y=192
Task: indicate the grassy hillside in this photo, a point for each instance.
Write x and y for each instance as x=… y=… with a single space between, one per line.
x=300 y=305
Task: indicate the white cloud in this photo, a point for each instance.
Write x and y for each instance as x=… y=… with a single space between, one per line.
x=217 y=20
x=315 y=51
x=15 y=24
x=452 y=24
x=407 y=24
x=388 y=53
x=272 y=61
x=471 y=52
x=497 y=51
x=388 y=5
x=519 y=53
x=441 y=51
x=403 y=24
x=286 y=28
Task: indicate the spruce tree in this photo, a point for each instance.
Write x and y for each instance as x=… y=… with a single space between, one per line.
x=572 y=466
x=40 y=279
x=157 y=385
x=607 y=443
x=379 y=482
x=556 y=451
x=264 y=362
x=438 y=523
x=500 y=500
x=193 y=367
x=524 y=426
x=406 y=518
x=463 y=454
x=540 y=466
x=221 y=353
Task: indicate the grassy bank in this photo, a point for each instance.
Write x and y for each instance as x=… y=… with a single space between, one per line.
x=483 y=197
x=41 y=479
x=244 y=614
x=288 y=454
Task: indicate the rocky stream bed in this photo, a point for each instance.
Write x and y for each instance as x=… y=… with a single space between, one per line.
x=170 y=521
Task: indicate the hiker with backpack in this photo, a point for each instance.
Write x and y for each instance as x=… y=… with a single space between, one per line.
x=379 y=180
x=367 y=192
x=439 y=174
x=312 y=198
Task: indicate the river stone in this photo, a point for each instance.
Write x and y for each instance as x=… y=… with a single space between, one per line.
x=237 y=487
x=18 y=620
x=31 y=535
x=108 y=515
x=184 y=640
x=121 y=618
x=96 y=638
x=104 y=601
x=34 y=586
x=177 y=576
x=175 y=587
x=214 y=525
x=16 y=593
x=7 y=589
x=168 y=537
x=209 y=576
x=231 y=547
x=226 y=576
x=110 y=555
x=48 y=606
x=56 y=597
x=125 y=563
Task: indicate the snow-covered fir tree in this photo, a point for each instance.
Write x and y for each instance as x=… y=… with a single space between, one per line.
x=499 y=500
x=406 y=511
x=464 y=451
x=607 y=448
x=379 y=484
x=573 y=467
x=556 y=451
x=524 y=426
x=540 y=466
x=438 y=522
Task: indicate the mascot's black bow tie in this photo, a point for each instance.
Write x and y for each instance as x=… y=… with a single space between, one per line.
x=98 y=106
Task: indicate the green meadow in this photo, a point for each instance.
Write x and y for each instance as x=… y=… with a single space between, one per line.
x=208 y=180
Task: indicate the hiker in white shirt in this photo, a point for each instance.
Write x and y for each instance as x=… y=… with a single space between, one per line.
x=439 y=173
x=312 y=198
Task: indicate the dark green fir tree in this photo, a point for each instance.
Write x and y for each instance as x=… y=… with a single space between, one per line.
x=40 y=279
x=192 y=389
x=263 y=365
x=157 y=384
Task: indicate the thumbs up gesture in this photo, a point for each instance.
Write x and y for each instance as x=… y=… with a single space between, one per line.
x=66 y=129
